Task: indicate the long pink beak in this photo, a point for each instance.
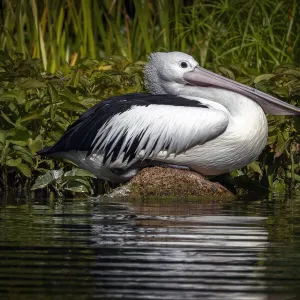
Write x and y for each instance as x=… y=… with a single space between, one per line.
x=271 y=105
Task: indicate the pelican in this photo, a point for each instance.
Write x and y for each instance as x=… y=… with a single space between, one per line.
x=193 y=119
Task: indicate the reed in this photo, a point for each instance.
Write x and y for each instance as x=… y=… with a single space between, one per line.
x=254 y=34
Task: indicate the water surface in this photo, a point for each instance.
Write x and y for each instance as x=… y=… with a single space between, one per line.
x=108 y=249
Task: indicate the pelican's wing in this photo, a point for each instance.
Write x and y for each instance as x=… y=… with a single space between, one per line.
x=126 y=126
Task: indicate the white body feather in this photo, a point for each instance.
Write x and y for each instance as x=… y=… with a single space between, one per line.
x=210 y=141
x=240 y=144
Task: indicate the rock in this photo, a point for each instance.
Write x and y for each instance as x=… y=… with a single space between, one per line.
x=170 y=182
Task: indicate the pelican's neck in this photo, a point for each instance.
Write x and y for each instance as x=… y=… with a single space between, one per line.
x=236 y=104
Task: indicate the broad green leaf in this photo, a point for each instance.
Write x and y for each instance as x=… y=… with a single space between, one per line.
x=57 y=174
x=42 y=181
x=19 y=96
x=82 y=180
x=13 y=162
x=25 y=170
x=77 y=187
x=20 y=135
x=26 y=157
x=31 y=84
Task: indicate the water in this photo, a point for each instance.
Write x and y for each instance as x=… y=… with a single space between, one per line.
x=107 y=249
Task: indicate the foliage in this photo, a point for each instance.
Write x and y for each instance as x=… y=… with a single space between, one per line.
x=257 y=34
x=254 y=42
x=37 y=107
x=279 y=165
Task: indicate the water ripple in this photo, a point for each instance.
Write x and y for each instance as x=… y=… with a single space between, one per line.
x=175 y=250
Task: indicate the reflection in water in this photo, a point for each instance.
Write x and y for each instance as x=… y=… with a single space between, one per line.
x=150 y=250
x=183 y=250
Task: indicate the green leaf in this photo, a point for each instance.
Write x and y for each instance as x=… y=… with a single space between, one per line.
x=236 y=173
x=30 y=117
x=77 y=187
x=2 y=136
x=7 y=119
x=278 y=186
x=68 y=95
x=13 y=162
x=36 y=144
x=255 y=167
x=57 y=174
x=227 y=73
x=282 y=144
x=88 y=102
x=25 y=170
x=31 y=84
x=53 y=92
x=295 y=176
x=75 y=79
x=19 y=96
x=293 y=72
x=263 y=77
x=281 y=92
x=26 y=157
x=42 y=181
x=20 y=137
x=72 y=106
x=20 y=143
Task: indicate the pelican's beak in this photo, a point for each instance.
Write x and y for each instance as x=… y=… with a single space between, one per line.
x=271 y=105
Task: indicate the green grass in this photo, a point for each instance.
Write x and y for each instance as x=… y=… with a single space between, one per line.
x=255 y=34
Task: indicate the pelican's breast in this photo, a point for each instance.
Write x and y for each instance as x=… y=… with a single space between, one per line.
x=240 y=144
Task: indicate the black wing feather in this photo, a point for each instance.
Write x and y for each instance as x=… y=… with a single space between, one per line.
x=81 y=134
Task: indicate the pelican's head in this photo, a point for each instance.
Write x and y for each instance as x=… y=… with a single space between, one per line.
x=164 y=73
x=171 y=72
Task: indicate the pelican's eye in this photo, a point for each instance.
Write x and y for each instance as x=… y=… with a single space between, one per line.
x=184 y=64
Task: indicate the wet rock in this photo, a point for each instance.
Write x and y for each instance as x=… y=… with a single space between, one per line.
x=169 y=182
